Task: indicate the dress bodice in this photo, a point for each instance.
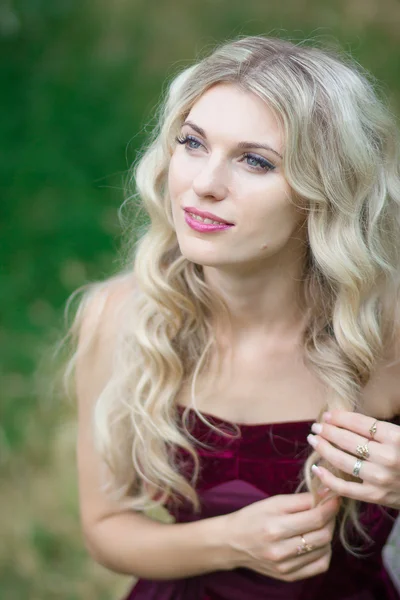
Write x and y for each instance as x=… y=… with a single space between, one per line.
x=262 y=461
x=266 y=456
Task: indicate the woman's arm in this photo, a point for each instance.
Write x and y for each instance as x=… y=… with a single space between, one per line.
x=125 y=541
x=133 y=544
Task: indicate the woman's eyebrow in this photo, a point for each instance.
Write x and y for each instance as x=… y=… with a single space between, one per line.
x=241 y=145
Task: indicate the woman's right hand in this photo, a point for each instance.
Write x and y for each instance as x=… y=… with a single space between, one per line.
x=264 y=536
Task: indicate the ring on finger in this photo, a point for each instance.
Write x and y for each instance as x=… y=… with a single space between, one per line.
x=363 y=451
x=357 y=467
x=304 y=548
x=372 y=429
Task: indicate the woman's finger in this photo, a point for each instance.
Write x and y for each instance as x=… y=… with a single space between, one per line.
x=387 y=455
x=367 y=427
x=373 y=473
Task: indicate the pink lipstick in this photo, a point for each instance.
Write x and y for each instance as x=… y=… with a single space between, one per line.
x=204 y=222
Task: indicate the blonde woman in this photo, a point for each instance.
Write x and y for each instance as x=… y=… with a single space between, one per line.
x=242 y=372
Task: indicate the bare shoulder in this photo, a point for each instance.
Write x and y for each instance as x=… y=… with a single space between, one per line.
x=100 y=319
x=103 y=306
x=382 y=394
x=391 y=370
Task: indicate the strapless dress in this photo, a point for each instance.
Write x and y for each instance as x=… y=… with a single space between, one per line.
x=266 y=460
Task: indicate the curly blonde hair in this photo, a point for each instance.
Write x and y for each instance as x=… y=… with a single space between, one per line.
x=342 y=160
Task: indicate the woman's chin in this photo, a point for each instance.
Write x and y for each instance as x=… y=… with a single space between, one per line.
x=201 y=260
x=204 y=259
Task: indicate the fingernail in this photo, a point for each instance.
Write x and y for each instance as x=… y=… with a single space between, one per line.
x=312 y=440
x=323 y=491
x=316 y=428
x=327 y=416
x=315 y=470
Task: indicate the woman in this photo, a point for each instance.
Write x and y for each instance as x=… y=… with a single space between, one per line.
x=263 y=297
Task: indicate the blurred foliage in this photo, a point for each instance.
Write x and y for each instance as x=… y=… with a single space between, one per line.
x=79 y=85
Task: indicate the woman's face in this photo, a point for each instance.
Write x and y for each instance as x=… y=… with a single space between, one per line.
x=219 y=167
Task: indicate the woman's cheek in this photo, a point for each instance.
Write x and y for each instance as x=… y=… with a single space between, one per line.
x=180 y=175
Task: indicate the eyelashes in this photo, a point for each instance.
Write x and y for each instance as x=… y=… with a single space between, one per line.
x=186 y=139
x=258 y=162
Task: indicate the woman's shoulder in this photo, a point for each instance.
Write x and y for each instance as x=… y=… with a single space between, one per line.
x=381 y=396
x=102 y=312
x=99 y=320
x=104 y=301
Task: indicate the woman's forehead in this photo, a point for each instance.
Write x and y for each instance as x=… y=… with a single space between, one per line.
x=229 y=112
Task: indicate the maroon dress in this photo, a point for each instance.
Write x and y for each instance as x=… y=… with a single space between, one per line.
x=267 y=460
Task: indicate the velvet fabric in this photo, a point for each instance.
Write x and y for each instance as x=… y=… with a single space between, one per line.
x=266 y=460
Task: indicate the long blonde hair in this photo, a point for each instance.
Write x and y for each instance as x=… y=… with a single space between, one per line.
x=341 y=159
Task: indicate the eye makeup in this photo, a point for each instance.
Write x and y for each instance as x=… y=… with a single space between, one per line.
x=260 y=163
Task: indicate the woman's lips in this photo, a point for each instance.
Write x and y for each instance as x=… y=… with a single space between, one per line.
x=205 y=215
x=203 y=227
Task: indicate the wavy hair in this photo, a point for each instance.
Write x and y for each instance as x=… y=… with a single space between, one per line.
x=341 y=160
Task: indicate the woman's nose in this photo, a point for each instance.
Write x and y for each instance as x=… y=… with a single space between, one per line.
x=211 y=180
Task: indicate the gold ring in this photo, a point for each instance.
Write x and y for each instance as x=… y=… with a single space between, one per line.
x=372 y=429
x=363 y=451
x=304 y=548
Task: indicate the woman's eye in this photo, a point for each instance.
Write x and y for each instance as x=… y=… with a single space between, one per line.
x=189 y=141
x=258 y=162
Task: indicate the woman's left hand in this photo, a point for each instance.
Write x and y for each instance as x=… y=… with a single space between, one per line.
x=345 y=437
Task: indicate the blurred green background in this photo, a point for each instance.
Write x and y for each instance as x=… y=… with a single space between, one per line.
x=79 y=84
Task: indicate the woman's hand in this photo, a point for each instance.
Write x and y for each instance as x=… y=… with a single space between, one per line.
x=266 y=536
x=345 y=437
